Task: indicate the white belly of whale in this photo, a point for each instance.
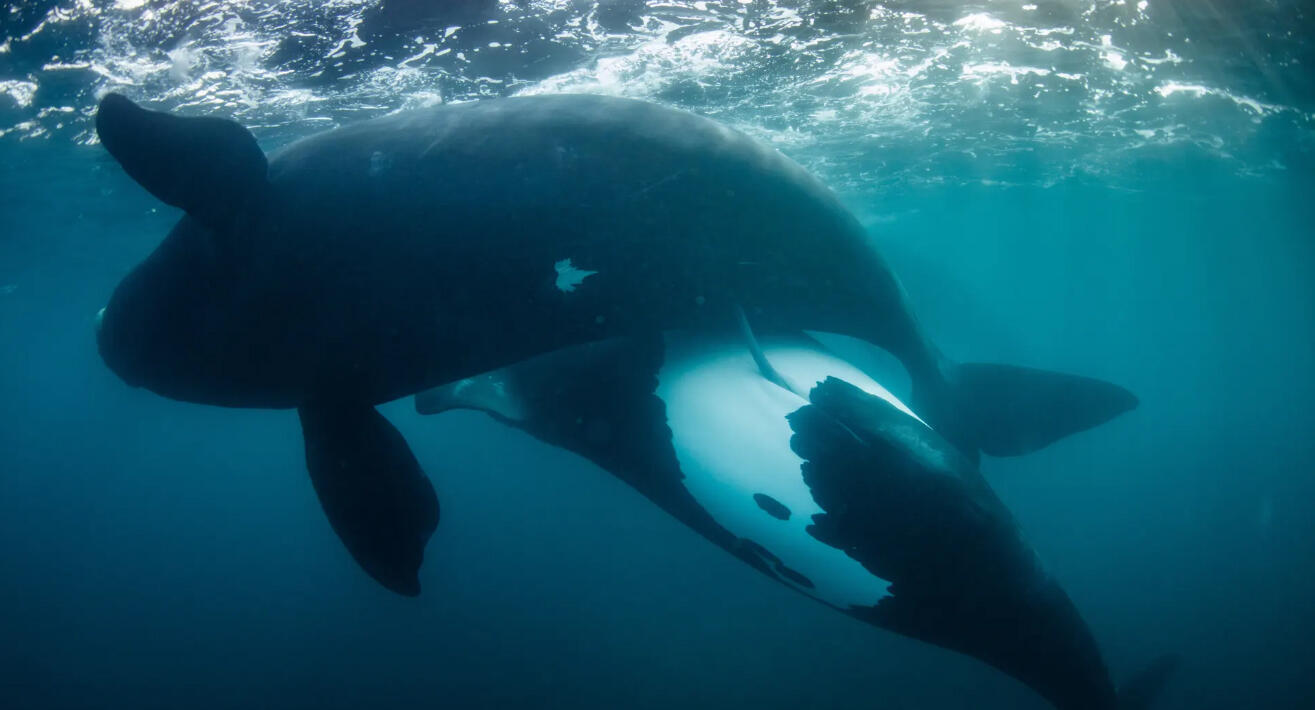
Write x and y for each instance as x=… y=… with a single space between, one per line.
x=732 y=441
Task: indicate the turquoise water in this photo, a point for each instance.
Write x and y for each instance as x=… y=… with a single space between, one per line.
x=1112 y=189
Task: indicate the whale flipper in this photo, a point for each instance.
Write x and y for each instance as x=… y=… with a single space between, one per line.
x=377 y=499
x=209 y=167
x=900 y=500
x=1007 y=410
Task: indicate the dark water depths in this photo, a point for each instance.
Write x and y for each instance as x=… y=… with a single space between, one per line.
x=1149 y=225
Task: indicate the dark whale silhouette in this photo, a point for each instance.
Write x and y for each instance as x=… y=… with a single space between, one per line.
x=385 y=257
x=839 y=492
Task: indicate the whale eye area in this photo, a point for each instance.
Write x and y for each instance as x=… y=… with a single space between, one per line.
x=772 y=506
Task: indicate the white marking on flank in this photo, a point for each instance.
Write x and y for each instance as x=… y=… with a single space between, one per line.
x=732 y=440
x=568 y=276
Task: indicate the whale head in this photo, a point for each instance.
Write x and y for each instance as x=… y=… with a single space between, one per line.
x=186 y=323
x=157 y=327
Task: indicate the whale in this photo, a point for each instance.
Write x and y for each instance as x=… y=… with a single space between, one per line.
x=802 y=463
x=389 y=256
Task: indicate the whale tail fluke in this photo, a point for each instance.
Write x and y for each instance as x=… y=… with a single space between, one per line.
x=1141 y=690
x=1006 y=410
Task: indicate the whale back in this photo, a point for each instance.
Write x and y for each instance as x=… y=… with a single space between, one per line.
x=394 y=254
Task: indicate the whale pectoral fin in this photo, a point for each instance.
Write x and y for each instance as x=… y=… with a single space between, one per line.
x=898 y=500
x=209 y=167
x=1006 y=410
x=377 y=499
x=841 y=415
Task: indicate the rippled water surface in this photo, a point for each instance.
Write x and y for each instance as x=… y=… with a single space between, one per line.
x=911 y=92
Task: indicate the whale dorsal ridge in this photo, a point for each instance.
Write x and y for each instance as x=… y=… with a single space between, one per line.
x=209 y=167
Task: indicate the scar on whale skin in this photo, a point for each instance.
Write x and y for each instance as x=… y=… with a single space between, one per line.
x=568 y=276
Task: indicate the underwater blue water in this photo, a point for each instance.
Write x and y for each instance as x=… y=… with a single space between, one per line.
x=155 y=554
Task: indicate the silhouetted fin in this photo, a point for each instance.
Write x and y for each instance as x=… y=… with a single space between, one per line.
x=377 y=499
x=907 y=505
x=768 y=372
x=1005 y=410
x=1142 y=689
x=209 y=167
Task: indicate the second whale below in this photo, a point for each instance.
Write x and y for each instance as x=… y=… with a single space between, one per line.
x=799 y=461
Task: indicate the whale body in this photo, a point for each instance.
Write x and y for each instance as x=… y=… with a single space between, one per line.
x=401 y=253
x=836 y=489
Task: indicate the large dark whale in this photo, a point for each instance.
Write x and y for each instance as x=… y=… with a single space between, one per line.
x=385 y=257
x=806 y=466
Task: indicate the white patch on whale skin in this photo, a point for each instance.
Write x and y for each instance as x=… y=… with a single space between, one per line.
x=878 y=363
x=732 y=440
x=487 y=392
x=568 y=276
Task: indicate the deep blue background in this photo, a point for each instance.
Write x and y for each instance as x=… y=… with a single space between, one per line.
x=156 y=554
x=162 y=555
